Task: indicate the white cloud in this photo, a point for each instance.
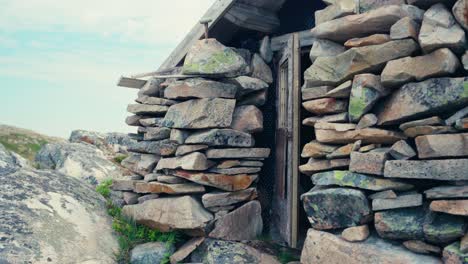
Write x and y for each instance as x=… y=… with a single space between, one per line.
x=150 y=21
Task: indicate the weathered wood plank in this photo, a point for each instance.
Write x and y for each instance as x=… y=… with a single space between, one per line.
x=253 y=18
x=305 y=38
x=131 y=82
x=216 y=12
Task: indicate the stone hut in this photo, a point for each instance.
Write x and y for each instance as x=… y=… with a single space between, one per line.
x=342 y=134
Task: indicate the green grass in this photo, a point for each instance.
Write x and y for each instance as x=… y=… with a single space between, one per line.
x=120 y=158
x=22 y=144
x=285 y=257
x=131 y=233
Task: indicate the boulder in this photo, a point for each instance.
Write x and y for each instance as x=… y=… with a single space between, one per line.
x=314 y=166
x=325 y=106
x=221 y=181
x=82 y=161
x=453 y=255
x=331 y=249
x=414 y=100
x=454 y=207
x=356 y=233
x=449 y=169
x=151 y=100
x=336 y=208
x=371 y=162
x=402 y=201
x=141 y=163
x=338 y=69
x=404 y=224
x=133 y=120
x=48 y=214
x=219 y=251
x=366 y=90
x=447 y=192
x=441 y=62
x=200 y=113
x=248 y=119
x=440 y=30
x=218 y=199
x=167 y=214
x=194 y=161
x=221 y=138
x=438 y=146
x=375 y=39
x=335 y=126
x=375 y=21
x=261 y=70
x=187 y=149
x=325 y=48
x=164 y=147
x=200 y=88
x=441 y=228
x=234 y=153
x=356 y=180
x=244 y=223
x=150 y=110
x=163 y=188
x=150 y=253
x=130 y=197
x=157 y=133
x=367 y=135
x=421 y=247
x=405 y=28
x=401 y=150
x=186 y=249
x=315 y=149
x=209 y=57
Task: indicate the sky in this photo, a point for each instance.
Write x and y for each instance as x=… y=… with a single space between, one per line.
x=60 y=60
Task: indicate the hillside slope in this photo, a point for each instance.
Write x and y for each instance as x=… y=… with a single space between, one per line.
x=23 y=141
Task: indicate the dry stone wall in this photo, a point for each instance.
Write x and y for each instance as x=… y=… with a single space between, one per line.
x=387 y=95
x=195 y=157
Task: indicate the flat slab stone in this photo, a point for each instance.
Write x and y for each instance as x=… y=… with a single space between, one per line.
x=221 y=138
x=441 y=192
x=356 y=233
x=187 y=149
x=343 y=91
x=169 y=179
x=325 y=48
x=453 y=254
x=367 y=120
x=221 y=181
x=144 y=109
x=357 y=180
x=401 y=201
x=325 y=106
x=366 y=90
x=361 y=25
x=438 y=146
x=248 y=119
x=460 y=9
x=236 y=170
x=338 y=69
x=458 y=115
x=371 y=162
x=455 y=207
x=195 y=161
x=367 y=135
x=442 y=62
x=200 y=113
x=428 y=130
x=390 y=194
x=310 y=93
x=157 y=133
x=150 y=122
x=165 y=214
x=314 y=166
x=404 y=224
x=405 y=28
x=218 y=199
x=151 y=100
x=244 y=223
x=228 y=164
x=336 y=118
x=449 y=170
x=234 y=153
x=247 y=85
x=336 y=208
x=209 y=57
x=186 y=249
x=315 y=149
x=421 y=247
x=416 y=99
x=430 y=121
x=441 y=228
x=159 y=188
x=200 y=88
x=140 y=163
x=401 y=150
x=375 y=39
x=162 y=148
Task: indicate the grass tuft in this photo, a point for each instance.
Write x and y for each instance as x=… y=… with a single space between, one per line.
x=120 y=158
x=131 y=233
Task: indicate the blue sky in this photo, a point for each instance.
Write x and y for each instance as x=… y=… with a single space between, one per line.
x=60 y=60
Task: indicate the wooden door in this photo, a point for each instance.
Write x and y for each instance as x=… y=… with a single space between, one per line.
x=285 y=211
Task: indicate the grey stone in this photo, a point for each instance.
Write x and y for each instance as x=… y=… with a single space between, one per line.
x=217 y=199
x=170 y=179
x=141 y=163
x=336 y=118
x=447 y=192
x=150 y=100
x=342 y=91
x=261 y=70
x=186 y=249
x=162 y=148
x=309 y=93
x=187 y=149
x=418 y=99
x=456 y=116
x=236 y=171
x=326 y=106
x=163 y=188
x=389 y=194
x=247 y=85
x=449 y=169
x=224 y=182
x=233 y=153
x=421 y=247
x=402 y=201
x=325 y=48
x=460 y=9
x=150 y=253
x=209 y=57
x=440 y=30
x=257 y=98
x=401 y=150
x=435 y=120
x=453 y=254
x=157 y=133
x=405 y=28
x=200 y=88
x=366 y=90
x=338 y=9
x=404 y=223
x=200 y=113
x=375 y=39
x=265 y=49
x=144 y=109
x=147 y=197
x=130 y=197
x=133 y=120
x=368 y=5
x=439 y=146
x=244 y=223
x=338 y=69
x=151 y=88
x=440 y=228
x=248 y=119
x=194 y=161
x=179 y=136
x=371 y=162
x=314 y=165
x=221 y=138
x=151 y=122
x=367 y=135
x=367 y=120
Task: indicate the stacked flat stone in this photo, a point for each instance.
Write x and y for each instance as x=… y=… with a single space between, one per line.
x=387 y=95
x=195 y=152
